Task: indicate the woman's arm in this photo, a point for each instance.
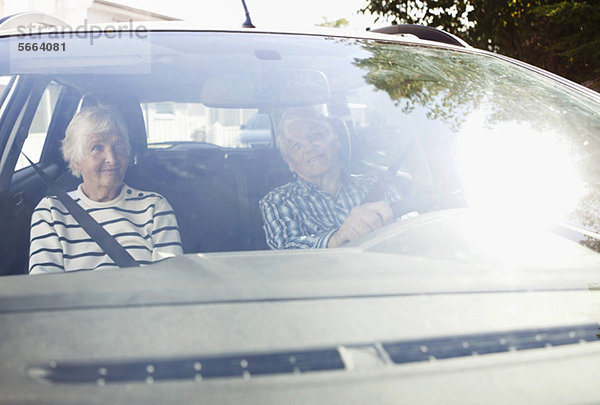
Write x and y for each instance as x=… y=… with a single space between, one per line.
x=45 y=250
x=166 y=240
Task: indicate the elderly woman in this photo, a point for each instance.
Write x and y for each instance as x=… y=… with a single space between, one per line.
x=96 y=146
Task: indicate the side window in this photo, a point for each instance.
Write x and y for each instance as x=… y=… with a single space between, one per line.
x=169 y=122
x=4 y=80
x=39 y=126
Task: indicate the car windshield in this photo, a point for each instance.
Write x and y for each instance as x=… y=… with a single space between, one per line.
x=293 y=218
x=446 y=128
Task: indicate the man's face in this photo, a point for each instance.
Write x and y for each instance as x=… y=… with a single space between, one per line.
x=104 y=162
x=312 y=150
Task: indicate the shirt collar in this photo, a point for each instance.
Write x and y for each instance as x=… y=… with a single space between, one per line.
x=310 y=187
x=96 y=204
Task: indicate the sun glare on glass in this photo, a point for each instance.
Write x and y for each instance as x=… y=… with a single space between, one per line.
x=517 y=172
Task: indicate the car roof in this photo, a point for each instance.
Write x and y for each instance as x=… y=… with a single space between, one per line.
x=39 y=23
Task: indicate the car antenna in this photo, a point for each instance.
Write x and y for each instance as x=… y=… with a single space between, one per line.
x=248 y=22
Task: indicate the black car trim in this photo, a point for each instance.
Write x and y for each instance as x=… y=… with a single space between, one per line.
x=246 y=365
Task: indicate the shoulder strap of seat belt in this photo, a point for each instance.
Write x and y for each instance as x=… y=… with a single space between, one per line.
x=107 y=242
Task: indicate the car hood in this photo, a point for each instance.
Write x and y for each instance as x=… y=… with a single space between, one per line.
x=322 y=326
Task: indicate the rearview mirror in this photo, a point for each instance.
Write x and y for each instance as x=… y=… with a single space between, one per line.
x=281 y=88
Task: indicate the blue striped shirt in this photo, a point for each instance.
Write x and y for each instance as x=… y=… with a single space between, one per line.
x=301 y=215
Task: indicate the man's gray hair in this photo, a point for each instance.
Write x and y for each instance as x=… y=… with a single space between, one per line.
x=295 y=116
x=88 y=121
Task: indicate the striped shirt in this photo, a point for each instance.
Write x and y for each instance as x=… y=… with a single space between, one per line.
x=142 y=222
x=301 y=215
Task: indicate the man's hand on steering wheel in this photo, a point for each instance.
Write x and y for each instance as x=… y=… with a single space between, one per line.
x=363 y=219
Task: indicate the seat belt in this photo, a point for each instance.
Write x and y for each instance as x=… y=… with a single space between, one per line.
x=106 y=241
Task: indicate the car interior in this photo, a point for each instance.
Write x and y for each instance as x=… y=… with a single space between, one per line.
x=218 y=210
x=214 y=187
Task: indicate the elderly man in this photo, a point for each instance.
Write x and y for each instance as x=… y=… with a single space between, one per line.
x=323 y=206
x=96 y=146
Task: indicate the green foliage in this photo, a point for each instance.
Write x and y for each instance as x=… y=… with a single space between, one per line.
x=339 y=23
x=562 y=36
x=450 y=86
x=412 y=79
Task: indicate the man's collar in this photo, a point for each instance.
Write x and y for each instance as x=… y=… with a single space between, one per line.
x=344 y=176
x=306 y=184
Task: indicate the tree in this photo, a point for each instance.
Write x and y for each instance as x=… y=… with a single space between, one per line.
x=339 y=23
x=562 y=36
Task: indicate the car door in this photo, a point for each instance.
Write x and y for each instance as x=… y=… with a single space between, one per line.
x=33 y=115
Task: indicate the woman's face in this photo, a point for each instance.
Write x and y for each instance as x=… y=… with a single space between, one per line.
x=103 y=166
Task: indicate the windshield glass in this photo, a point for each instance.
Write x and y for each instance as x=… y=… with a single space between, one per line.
x=283 y=218
x=433 y=128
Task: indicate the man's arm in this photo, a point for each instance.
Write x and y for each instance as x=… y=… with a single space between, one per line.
x=363 y=219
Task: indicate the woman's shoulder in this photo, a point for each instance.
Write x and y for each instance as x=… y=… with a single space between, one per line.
x=50 y=202
x=133 y=194
x=136 y=199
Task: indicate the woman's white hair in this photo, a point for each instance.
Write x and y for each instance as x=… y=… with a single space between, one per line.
x=88 y=121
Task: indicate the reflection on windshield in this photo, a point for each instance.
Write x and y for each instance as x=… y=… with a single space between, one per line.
x=458 y=128
x=517 y=172
x=523 y=146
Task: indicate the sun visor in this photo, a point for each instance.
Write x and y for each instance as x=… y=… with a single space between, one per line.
x=283 y=88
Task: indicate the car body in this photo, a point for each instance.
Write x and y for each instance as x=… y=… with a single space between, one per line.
x=489 y=295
